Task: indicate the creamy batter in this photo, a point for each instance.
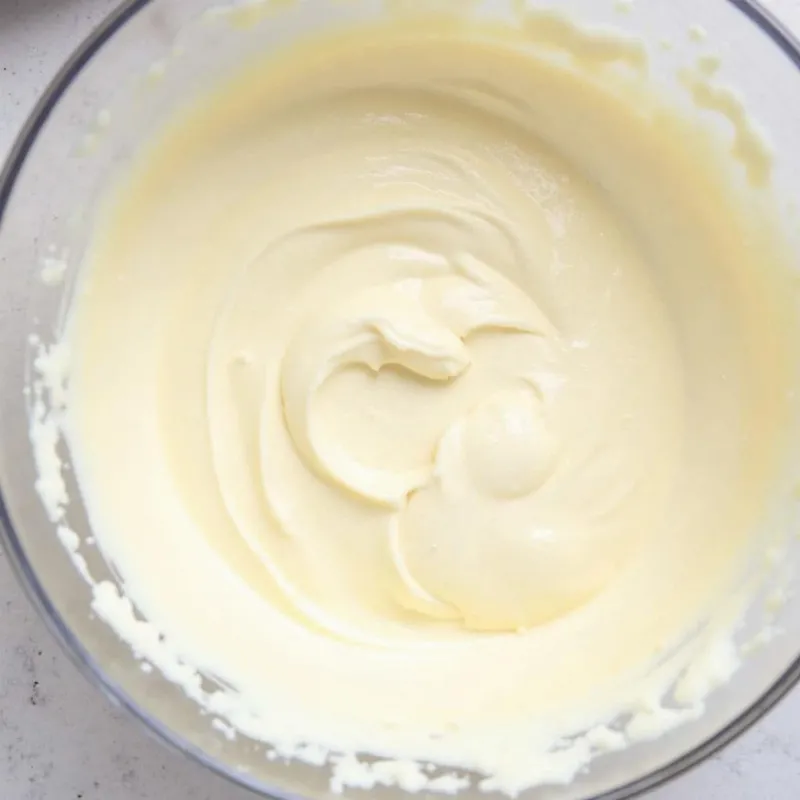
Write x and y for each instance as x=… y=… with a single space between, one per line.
x=429 y=393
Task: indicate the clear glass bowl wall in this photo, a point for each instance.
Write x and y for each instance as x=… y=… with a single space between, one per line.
x=116 y=90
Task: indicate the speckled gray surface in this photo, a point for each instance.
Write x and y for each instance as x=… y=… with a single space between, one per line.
x=59 y=739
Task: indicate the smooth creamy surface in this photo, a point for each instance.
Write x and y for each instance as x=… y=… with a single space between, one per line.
x=428 y=393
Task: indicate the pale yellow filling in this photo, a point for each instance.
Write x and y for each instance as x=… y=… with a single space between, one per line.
x=426 y=391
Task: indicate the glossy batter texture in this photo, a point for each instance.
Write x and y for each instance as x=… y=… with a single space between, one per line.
x=427 y=392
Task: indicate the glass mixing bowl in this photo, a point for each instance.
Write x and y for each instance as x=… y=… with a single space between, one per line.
x=117 y=88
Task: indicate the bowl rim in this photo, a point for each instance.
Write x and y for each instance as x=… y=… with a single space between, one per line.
x=761 y=17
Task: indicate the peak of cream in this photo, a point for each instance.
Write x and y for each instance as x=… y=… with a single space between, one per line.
x=433 y=369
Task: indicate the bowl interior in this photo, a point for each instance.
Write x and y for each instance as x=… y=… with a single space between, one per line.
x=120 y=86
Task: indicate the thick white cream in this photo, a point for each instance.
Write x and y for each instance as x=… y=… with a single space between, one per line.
x=428 y=392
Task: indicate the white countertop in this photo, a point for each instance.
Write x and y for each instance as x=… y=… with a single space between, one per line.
x=59 y=738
